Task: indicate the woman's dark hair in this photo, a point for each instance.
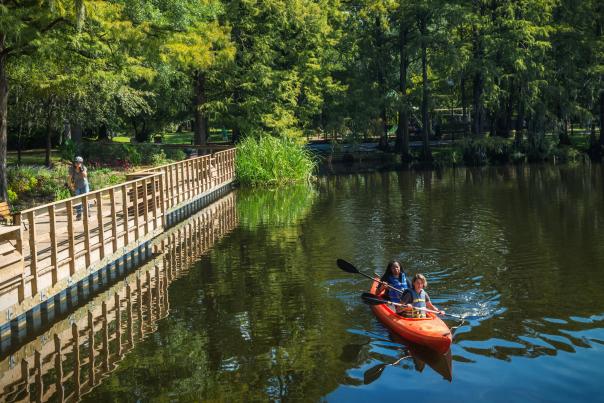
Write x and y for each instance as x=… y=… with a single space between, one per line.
x=389 y=268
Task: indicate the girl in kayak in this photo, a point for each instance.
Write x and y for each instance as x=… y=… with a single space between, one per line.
x=396 y=278
x=417 y=297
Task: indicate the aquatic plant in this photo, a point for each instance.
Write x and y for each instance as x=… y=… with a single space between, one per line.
x=269 y=160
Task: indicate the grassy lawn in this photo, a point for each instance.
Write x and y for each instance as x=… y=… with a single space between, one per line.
x=32 y=157
x=179 y=137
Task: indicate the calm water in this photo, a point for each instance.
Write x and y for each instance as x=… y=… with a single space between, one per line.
x=267 y=315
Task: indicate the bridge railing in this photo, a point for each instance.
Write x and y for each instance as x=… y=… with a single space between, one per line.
x=62 y=238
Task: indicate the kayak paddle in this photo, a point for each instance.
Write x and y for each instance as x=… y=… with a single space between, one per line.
x=374 y=372
x=349 y=268
x=375 y=300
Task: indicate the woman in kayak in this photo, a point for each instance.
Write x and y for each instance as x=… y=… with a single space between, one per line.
x=396 y=279
x=416 y=297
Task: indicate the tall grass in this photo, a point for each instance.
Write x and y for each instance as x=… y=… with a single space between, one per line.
x=272 y=161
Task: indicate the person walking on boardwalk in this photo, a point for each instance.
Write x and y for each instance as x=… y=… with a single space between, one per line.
x=78 y=182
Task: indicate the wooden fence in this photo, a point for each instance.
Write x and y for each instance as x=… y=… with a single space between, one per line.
x=190 y=178
x=75 y=355
x=58 y=247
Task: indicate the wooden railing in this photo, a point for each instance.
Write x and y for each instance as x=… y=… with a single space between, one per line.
x=187 y=179
x=57 y=246
x=77 y=353
x=57 y=242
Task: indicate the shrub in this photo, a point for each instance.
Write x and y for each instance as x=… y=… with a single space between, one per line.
x=268 y=160
x=445 y=158
x=175 y=154
x=473 y=152
x=537 y=148
x=518 y=157
x=12 y=196
x=159 y=159
x=565 y=154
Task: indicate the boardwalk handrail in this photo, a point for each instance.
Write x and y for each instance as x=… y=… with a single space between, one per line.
x=55 y=246
x=92 y=192
x=58 y=248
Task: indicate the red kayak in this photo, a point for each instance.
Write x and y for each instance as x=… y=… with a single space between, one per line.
x=430 y=331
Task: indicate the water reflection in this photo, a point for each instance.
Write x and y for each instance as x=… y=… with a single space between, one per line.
x=76 y=354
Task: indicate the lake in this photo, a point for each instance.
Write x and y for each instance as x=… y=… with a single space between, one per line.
x=266 y=314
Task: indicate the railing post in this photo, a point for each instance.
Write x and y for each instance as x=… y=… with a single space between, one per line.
x=125 y=213
x=113 y=219
x=178 y=185
x=69 y=208
x=154 y=180
x=84 y=201
x=145 y=205
x=162 y=197
x=53 y=244
x=33 y=250
x=101 y=226
x=135 y=208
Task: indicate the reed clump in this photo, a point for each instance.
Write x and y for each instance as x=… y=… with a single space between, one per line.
x=273 y=161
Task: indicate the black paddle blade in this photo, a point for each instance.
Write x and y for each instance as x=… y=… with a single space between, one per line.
x=372 y=299
x=373 y=373
x=348 y=267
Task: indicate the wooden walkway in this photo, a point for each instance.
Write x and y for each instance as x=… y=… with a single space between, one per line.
x=58 y=249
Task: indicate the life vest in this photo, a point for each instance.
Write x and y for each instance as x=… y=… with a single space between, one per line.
x=401 y=284
x=419 y=301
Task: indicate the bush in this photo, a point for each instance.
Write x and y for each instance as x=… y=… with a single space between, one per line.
x=446 y=158
x=537 y=148
x=473 y=152
x=175 y=154
x=159 y=159
x=12 y=196
x=565 y=154
x=268 y=160
x=493 y=150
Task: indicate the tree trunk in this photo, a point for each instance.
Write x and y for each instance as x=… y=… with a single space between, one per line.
x=76 y=133
x=3 y=120
x=464 y=106
x=381 y=81
x=519 y=120
x=602 y=118
x=426 y=153
x=104 y=132
x=478 y=82
x=402 y=133
x=236 y=135
x=48 y=147
x=563 y=138
x=200 y=133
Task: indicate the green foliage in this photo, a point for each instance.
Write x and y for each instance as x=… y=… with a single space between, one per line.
x=272 y=161
x=68 y=150
x=175 y=154
x=538 y=148
x=565 y=154
x=34 y=185
x=493 y=150
x=159 y=158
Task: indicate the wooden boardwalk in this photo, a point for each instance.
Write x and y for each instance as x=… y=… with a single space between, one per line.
x=58 y=249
